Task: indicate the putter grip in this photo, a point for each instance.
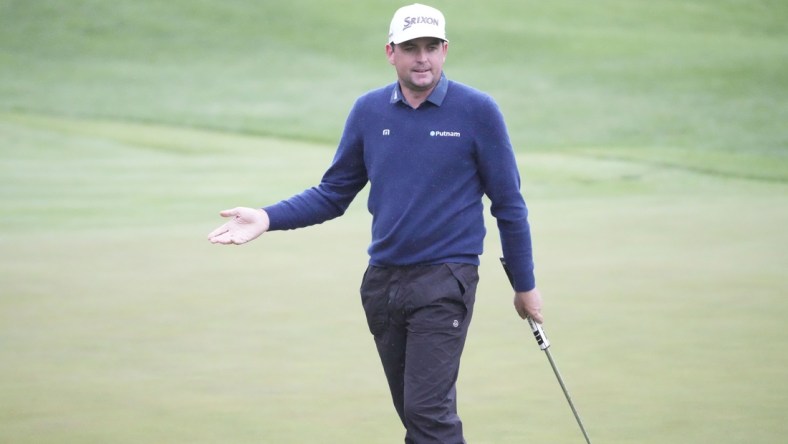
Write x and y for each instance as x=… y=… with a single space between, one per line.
x=537 y=330
x=539 y=335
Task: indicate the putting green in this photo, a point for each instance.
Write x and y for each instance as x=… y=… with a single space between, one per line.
x=123 y=324
x=651 y=139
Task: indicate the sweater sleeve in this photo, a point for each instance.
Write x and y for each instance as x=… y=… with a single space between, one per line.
x=340 y=184
x=501 y=181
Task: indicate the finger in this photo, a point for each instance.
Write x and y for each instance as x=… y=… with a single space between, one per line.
x=221 y=230
x=536 y=316
x=232 y=237
x=224 y=239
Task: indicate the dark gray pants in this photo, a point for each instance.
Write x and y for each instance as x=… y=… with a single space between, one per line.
x=419 y=316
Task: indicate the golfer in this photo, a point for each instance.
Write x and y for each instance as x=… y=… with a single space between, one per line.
x=430 y=148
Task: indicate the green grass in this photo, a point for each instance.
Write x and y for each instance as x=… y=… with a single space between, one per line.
x=653 y=150
x=699 y=76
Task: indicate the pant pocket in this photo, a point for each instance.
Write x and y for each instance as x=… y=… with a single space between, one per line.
x=374 y=299
x=467 y=277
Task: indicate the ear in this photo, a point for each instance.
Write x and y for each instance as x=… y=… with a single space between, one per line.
x=390 y=53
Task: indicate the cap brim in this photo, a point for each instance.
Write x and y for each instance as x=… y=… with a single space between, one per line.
x=417 y=35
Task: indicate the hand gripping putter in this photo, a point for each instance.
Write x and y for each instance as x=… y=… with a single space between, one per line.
x=544 y=344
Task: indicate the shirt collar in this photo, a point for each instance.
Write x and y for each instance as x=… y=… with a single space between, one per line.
x=436 y=96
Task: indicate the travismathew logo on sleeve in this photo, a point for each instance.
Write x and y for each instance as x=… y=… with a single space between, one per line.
x=444 y=134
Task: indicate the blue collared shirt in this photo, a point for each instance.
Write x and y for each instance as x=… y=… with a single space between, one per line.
x=436 y=96
x=428 y=169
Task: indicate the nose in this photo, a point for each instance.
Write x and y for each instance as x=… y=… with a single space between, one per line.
x=421 y=55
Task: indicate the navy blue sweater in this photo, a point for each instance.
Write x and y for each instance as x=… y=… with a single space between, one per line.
x=428 y=169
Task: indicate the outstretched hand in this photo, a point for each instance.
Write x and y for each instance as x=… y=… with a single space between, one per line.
x=529 y=305
x=246 y=224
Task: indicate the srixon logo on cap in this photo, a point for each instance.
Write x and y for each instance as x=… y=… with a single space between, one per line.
x=409 y=21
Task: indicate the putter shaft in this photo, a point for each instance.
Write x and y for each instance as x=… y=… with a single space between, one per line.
x=566 y=394
x=544 y=344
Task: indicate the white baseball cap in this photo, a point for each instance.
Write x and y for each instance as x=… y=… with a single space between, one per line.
x=414 y=21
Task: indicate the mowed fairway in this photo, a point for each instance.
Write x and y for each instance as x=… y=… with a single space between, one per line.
x=655 y=163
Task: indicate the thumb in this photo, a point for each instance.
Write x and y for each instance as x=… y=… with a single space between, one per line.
x=229 y=213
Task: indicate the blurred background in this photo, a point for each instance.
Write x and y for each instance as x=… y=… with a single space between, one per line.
x=653 y=148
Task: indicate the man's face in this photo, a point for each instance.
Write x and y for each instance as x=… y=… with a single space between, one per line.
x=418 y=62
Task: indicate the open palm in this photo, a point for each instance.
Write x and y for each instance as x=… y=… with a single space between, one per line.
x=245 y=224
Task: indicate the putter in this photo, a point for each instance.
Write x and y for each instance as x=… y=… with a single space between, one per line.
x=544 y=344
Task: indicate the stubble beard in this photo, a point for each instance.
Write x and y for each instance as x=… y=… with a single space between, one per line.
x=421 y=81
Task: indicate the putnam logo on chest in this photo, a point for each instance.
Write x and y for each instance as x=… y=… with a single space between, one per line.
x=445 y=134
